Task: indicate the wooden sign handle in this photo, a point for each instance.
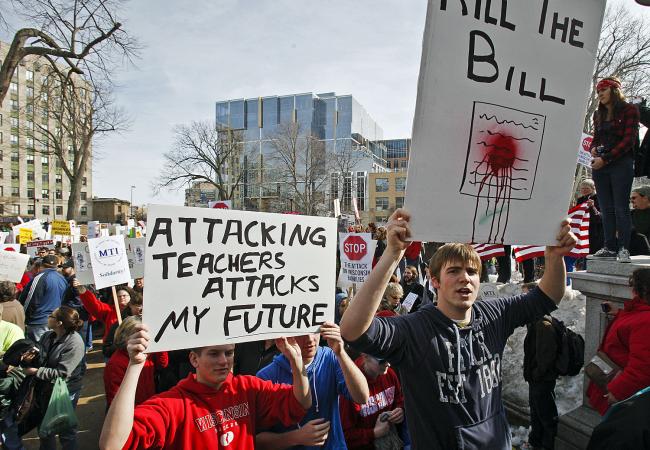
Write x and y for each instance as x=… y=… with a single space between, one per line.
x=117 y=306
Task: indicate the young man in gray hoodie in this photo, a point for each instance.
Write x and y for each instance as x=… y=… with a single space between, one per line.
x=449 y=355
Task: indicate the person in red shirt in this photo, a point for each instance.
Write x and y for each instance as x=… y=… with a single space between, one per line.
x=210 y=409
x=116 y=366
x=362 y=424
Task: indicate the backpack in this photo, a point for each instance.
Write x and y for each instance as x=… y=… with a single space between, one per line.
x=571 y=350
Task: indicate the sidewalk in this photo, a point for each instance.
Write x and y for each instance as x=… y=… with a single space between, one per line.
x=91 y=406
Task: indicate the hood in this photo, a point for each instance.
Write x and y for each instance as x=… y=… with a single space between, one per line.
x=637 y=304
x=190 y=385
x=337 y=303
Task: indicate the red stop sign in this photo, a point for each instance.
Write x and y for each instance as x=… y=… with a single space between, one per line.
x=220 y=205
x=355 y=248
x=586 y=143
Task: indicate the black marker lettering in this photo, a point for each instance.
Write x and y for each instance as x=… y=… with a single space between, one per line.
x=188 y=221
x=198 y=318
x=227 y=318
x=183 y=265
x=158 y=228
x=212 y=223
x=164 y=257
x=481 y=58
x=175 y=321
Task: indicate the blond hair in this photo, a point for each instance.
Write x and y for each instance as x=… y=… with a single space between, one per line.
x=125 y=330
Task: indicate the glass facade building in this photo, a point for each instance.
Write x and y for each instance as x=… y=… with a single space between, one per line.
x=337 y=122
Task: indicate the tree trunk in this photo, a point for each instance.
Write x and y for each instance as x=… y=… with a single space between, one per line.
x=75 y=198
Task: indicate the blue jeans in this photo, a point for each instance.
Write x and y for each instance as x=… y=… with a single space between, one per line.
x=613 y=186
x=10 y=438
x=34 y=332
x=68 y=438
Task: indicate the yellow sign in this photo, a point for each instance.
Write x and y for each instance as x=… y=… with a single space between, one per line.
x=61 y=227
x=25 y=235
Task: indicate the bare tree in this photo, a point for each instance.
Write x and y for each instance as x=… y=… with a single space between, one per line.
x=301 y=161
x=624 y=52
x=80 y=112
x=86 y=36
x=200 y=153
x=342 y=162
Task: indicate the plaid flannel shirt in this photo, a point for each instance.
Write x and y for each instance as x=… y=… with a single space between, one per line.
x=623 y=132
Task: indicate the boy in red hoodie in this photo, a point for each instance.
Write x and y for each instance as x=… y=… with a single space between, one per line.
x=210 y=409
x=362 y=424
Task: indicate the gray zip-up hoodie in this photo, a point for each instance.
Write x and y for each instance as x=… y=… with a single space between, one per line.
x=451 y=377
x=63 y=359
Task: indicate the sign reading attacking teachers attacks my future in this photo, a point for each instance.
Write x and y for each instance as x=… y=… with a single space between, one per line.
x=217 y=276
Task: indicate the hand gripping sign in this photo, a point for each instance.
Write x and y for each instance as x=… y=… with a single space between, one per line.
x=217 y=276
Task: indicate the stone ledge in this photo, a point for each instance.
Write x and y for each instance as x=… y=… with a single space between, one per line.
x=575 y=428
x=600 y=285
x=615 y=268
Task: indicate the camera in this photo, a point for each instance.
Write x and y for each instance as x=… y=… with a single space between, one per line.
x=606 y=307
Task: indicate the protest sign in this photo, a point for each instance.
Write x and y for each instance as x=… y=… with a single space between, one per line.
x=110 y=264
x=584 y=156
x=93 y=229
x=33 y=225
x=501 y=95
x=12 y=266
x=25 y=235
x=61 y=227
x=356 y=252
x=83 y=267
x=10 y=247
x=135 y=254
x=217 y=276
x=33 y=246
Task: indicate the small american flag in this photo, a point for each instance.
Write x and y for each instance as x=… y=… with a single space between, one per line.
x=579 y=216
x=487 y=251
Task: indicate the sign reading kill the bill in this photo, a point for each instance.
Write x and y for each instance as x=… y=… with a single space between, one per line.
x=501 y=99
x=217 y=276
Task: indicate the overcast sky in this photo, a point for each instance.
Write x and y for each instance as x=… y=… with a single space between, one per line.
x=197 y=52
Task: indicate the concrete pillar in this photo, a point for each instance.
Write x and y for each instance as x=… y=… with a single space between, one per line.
x=603 y=281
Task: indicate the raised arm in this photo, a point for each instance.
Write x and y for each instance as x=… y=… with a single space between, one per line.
x=359 y=315
x=291 y=350
x=553 y=282
x=354 y=379
x=91 y=303
x=119 y=419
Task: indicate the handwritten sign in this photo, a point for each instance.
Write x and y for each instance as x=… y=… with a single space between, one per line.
x=109 y=261
x=61 y=227
x=135 y=253
x=12 y=266
x=356 y=251
x=33 y=246
x=218 y=276
x=93 y=229
x=25 y=235
x=83 y=267
x=501 y=94
x=584 y=156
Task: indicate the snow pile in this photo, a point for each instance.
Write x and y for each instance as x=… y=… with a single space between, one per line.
x=519 y=435
x=568 y=390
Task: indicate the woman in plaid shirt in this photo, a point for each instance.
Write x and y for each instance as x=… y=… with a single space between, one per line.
x=616 y=130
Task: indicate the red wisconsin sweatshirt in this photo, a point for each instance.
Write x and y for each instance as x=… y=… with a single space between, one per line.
x=116 y=368
x=359 y=420
x=194 y=416
x=99 y=310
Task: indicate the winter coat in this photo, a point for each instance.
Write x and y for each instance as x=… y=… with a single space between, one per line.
x=194 y=416
x=63 y=359
x=116 y=368
x=43 y=295
x=326 y=381
x=627 y=344
x=540 y=351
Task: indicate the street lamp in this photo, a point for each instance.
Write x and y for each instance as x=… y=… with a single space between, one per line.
x=131 y=204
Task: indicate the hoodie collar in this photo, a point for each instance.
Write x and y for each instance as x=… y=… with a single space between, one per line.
x=190 y=384
x=636 y=304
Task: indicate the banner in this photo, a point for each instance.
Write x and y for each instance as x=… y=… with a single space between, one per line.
x=61 y=227
x=12 y=266
x=217 y=276
x=356 y=251
x=109 y=261
x=33 y=246
x=135 y=254
x=501 y=96
x=25 y=235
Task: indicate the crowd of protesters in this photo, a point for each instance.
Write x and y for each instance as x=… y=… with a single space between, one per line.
x=412 y=359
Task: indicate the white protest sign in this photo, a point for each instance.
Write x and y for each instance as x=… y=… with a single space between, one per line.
x=83 y=267
x=109 y=261
x=488 y=290
x=135 y=254
x=12 y=266
x=220 y=204
x=356 y=251
x=501 y=95
x=10 y=247
x=93 y=229
x=3 y=236
x=34 y=225
x=217 y=276
x=409 y=301
x=584 y=156
x=33 y=246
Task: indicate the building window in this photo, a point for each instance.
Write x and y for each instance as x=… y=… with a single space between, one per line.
x=30 y=210
x=29 y=124
x=14 y=139
x=30 y=176
x=15 y=175
x=43 y=145
x=45 y=160
x=1 y=138
x=30 y=92
x=30 y=192
x=46 y=210
x=45 y=193
x=59 y=178
x=83 y=196
x=84 y=181
x=14 y=105
x=45 y=177
x=15 y=192
x=13 y=87
x=29 y=75
x=381 y=203
x=399 y=202
x=381 y=184
x=2 y=174
x=30 y=159
x=15 y=209
x=29 y=109
x=400 y=185
x=44 y=113
x=29 y=143
x=59 y=210
x=14 y=122
x=14 y=156
x=84 y=210
x=59 y=194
